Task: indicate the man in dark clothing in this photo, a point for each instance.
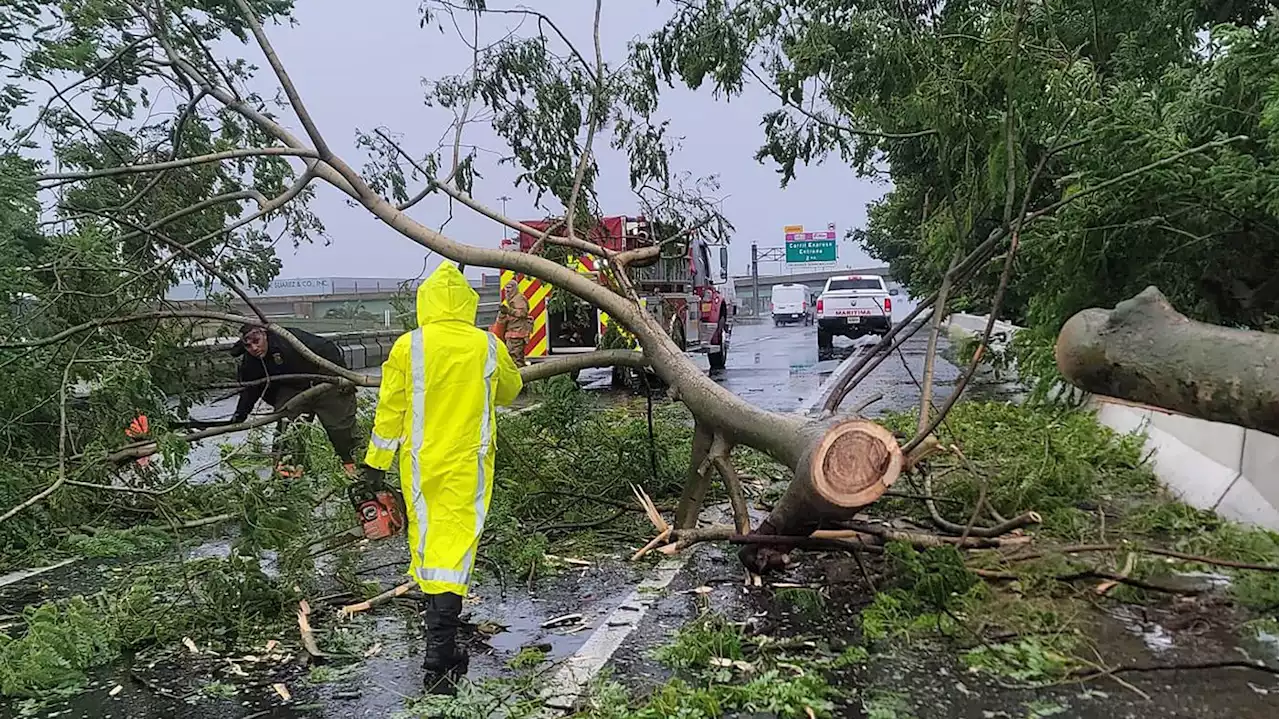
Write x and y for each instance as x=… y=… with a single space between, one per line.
x=264 y=355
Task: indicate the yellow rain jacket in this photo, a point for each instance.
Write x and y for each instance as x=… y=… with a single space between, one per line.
x=440 y=385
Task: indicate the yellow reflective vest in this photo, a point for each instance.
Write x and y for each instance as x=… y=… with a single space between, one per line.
x=440 y=386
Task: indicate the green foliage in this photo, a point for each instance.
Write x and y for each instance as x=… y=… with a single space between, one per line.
x=566 y=468
x=528 y=657
x=932 y=588
x=112 y=245
x=1027 y=659
x=223 y=600
x=698 y=642
x=773 y=692
x=60 y=643
x=887 y=705
x=964 y=102
x=809 y=603
x=1055 y=461
x=134 y=543
x=219 y=690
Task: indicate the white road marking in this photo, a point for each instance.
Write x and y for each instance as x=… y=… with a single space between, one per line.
x=576 y=672
x=825 y=390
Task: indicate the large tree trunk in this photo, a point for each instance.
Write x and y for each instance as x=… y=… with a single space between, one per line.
x=1145 y=351
x=847 y=464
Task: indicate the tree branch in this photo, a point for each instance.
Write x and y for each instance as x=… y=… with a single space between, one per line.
x=146 y=449
x=593 y=120
x=586 y=360
x=182 y=249
x=1131 y=174
x=834 y=125
x=62 y=446
x=290 y=91
x=65 y=177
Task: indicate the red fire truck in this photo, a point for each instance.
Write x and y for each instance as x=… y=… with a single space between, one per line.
x=678 y=288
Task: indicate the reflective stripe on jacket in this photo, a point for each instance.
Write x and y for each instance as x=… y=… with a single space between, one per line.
x=439 y=388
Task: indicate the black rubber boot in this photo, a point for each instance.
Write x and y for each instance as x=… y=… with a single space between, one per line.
x=445 y=663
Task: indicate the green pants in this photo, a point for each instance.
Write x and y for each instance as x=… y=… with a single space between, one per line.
x=336 y=410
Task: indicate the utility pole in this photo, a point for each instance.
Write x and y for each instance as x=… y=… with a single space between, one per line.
x=504 y=200
x=755 y=281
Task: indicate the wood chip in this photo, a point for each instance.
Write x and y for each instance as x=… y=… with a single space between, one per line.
x=561 y=620
x=236 y=669
x=569 y=560
x=381 y=598
x=304 y=630
x=373 y=650
x=115 y=690
x=271 y=646
x=283 y=691
x=190 y=644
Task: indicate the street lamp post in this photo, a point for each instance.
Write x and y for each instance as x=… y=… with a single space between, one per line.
x=504 y=200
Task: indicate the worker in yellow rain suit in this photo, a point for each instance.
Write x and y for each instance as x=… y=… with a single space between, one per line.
x=440 y=385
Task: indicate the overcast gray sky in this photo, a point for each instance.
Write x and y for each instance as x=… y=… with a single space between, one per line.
x=361 y=66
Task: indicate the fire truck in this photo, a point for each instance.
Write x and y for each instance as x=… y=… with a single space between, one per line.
x=678 y=289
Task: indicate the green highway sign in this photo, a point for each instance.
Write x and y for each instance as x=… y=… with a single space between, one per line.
x=802 y=251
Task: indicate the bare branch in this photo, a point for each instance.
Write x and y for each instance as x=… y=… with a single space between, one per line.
x=297 y=344
x=930 y=353
x=60 y=178
x=295 y=99
x=586 y=360
x=593 y=122
x=996 y=303
x=542 y=19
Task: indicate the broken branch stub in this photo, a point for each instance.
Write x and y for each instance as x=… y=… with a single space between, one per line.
x=1145 y=351
x=851 y=464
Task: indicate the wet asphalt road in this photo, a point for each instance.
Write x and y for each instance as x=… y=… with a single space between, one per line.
x=777 y=368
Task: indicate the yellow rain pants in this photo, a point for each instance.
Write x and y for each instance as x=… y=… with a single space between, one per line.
x=440 y=385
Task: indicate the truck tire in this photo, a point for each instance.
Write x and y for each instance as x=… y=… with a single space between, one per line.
x=676 y=332
x=717 y=359
x=825 y=344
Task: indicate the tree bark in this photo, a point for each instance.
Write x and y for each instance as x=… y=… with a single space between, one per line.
x=1146 y=351
x=847 y=464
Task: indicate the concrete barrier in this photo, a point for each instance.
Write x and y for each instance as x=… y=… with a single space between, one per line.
x=1209 y=465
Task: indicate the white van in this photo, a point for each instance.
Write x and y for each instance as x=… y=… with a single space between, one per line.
x=791 y=303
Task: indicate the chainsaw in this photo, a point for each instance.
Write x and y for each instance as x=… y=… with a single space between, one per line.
x=378 y=509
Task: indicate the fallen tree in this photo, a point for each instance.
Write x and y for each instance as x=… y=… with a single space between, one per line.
x=839 y=463
x=1145 y=351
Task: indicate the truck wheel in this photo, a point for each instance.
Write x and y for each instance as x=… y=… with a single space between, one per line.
x=717 y=359
x=676 y=332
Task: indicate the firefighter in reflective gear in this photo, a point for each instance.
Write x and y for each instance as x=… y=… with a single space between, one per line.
x=513 y=316
x=440 y=386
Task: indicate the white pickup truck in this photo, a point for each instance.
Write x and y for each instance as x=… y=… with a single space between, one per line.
x=852 y=306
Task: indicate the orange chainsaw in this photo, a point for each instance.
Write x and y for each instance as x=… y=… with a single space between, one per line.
x=377 y=508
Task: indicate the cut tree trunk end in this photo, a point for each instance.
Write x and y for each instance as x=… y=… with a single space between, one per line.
x=1145 y=351
x=851 y=463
